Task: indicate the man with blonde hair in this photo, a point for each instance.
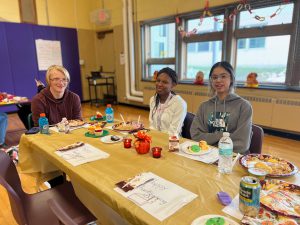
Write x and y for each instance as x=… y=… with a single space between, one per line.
x=56 y=101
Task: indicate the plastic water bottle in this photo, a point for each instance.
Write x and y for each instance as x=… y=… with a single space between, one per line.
x=225 y=153
x=43 y=124
x=109 y=112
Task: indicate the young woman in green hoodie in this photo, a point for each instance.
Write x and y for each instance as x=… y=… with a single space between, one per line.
x=224 y=112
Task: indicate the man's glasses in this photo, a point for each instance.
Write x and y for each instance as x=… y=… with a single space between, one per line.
x=222 y=77
x=58 y=80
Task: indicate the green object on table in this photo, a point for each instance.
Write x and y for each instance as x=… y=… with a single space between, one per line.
x=94 y=118
x=195 y=148
x=105 y=132
x=215 y=221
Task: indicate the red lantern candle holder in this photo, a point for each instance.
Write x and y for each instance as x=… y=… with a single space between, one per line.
x=156 y=152
x=127 y=142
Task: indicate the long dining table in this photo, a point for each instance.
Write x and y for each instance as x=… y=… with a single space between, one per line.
x=94 y=182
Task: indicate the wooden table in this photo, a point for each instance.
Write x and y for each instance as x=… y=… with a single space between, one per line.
x=94 y=182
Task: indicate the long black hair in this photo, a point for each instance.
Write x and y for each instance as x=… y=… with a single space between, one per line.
x=173 y=75
x=228 y=67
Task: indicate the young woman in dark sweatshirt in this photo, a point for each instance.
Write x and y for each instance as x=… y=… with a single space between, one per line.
x=224 y=112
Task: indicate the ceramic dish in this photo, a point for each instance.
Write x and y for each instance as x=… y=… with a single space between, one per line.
x=204 y=220
x=107 y=139
x=185 y=147
x=280 y=167
x=128 y=127
x=76 y=123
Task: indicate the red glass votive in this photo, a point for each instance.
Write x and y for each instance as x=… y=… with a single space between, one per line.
x=127 y=142
x=156 y=152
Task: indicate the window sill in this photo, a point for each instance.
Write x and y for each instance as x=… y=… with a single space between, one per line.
x=260 y=87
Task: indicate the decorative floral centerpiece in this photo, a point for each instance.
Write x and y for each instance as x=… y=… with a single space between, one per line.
x=142 y=143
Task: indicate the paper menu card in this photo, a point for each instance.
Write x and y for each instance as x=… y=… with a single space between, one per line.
x=82 y=154
x=157 y=196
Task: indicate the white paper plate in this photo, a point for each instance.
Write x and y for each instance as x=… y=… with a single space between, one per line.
x=184 y=147
x=107 y=140
x=202 y=220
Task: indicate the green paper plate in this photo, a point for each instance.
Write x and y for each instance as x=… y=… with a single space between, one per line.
x=93 y=118
x=105 y=132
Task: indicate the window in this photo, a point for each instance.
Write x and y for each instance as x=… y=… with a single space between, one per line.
x=203 y=47
x=257 y=42
x=165 y=43
x=242 y=43
x=269 y=62
x=208 y=25
x=162 y=31
x=161 y=50
x=202 y=60
x=264 y=47
x=192 y=47
x=157 y=67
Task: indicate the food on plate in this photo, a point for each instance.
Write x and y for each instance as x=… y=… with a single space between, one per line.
x=264 y=166
x=216 y=221
x=71 y=146
x=99 y=115
x=114 y=138
x=98 y=131
x=76 y=123
x=282 y=198
x=91 y=129
x=125 y=127
x=267 y=217
x=128 y=126
x=203 y=145
x=273 y=165
x=194 y=148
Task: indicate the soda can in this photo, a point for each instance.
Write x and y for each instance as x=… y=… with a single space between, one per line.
x=249 y=196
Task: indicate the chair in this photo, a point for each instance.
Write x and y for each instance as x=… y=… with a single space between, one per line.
x=30 y=123
x=33 y=209
x=256 y=139
x=187 y=125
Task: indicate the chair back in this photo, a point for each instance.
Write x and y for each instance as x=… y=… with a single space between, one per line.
x=10 y=180
x=256 y=139
x=187 y=125
x=30 y=121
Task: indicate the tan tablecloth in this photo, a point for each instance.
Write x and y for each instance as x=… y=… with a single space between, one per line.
x=94 y=182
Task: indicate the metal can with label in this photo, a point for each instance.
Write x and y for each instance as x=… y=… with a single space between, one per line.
x=249 y=196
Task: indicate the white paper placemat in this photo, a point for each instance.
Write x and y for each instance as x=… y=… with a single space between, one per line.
x=233 y=208
x=158 y=197
x=82 y=154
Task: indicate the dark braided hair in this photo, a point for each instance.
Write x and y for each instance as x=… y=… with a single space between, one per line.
x=173 y=75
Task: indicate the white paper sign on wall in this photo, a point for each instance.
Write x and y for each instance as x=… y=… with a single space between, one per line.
x=48 y=53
